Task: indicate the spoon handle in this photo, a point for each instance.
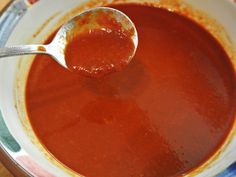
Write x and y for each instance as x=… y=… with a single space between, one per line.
x=22 y=50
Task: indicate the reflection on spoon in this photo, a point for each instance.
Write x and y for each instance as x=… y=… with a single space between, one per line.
x=96 y=42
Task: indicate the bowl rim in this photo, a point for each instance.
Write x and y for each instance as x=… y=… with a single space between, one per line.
x=7 y=158
x=14 y=8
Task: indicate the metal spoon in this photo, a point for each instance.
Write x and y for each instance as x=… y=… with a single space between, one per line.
x=73 y=27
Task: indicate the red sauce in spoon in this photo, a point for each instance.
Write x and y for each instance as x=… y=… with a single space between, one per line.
x=100 y=43
x=98 y=52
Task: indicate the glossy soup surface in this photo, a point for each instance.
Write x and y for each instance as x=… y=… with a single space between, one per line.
x=164 y=114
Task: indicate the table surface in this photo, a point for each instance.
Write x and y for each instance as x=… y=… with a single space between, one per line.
x=3 y=171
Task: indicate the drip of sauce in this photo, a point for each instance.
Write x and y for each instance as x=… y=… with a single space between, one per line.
x=163 y=115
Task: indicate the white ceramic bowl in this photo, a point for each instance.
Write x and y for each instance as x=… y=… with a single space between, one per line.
x=34 y=27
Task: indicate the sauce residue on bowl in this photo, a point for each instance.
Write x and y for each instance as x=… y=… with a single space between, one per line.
x=163 y=115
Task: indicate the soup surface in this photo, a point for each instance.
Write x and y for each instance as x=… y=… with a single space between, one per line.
x=164 y=114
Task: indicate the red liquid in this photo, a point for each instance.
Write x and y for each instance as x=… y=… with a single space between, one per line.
x=164 y=114
x=98 y=52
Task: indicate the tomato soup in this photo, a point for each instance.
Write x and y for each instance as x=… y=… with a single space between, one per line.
x=98 y=52
x=163 y=115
